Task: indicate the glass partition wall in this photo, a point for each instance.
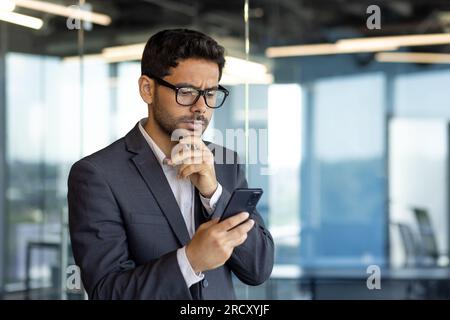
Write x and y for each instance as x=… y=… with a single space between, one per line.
x=324 y=129
x=69 y=88
x=350 y=120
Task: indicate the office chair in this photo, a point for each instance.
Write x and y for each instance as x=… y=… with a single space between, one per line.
x=410 y=245
x=413 y=259
x=428 y=244
x=421 y=251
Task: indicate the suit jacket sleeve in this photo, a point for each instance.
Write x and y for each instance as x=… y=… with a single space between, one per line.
x=100 y=248
x=252 y=261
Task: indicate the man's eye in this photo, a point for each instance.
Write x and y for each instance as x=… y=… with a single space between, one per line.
x=211 y=93
x=187 y=91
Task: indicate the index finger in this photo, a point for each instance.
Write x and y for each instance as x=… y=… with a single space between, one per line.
x=193 y=141
x=233 y=221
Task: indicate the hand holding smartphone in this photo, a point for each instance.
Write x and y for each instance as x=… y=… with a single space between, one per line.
x=242 y=199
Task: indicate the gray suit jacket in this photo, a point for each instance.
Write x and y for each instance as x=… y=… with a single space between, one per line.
x=125 y=228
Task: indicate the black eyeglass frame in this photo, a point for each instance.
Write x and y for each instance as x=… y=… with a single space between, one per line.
x=200 y=92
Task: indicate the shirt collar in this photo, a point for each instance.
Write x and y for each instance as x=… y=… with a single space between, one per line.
x=156 y=150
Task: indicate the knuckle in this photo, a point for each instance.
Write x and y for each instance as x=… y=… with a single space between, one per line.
x=214 y=236
x=228 y=223
x=218 y=243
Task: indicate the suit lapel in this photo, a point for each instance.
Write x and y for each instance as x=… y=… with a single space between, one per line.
x=153 y=175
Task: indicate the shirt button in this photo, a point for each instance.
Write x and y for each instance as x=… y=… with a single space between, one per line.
x=205 y=283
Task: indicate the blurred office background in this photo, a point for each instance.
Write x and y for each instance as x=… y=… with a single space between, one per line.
x=351 y=133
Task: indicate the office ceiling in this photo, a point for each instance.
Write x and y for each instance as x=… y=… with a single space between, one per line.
x=272 y=22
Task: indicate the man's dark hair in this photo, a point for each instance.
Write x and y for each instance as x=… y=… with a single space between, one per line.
x=168 y=47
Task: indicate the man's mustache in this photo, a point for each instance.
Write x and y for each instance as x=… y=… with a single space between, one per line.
x=198 y=118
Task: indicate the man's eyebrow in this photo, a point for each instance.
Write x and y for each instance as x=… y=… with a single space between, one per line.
x=189 y=85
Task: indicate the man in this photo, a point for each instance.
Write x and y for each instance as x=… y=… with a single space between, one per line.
x=144 y=212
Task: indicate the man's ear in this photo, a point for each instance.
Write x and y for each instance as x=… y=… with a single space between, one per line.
x=147 y=89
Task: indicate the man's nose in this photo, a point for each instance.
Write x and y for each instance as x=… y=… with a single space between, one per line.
x=200 y=106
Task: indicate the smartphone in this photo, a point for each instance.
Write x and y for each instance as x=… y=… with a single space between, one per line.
x=242 y=199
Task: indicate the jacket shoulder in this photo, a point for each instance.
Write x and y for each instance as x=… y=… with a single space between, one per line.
x=106 y=156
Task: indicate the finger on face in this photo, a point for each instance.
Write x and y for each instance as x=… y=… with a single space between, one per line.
x=190 y=169
x=187 y=157
x=182 y=167
x=194 y=141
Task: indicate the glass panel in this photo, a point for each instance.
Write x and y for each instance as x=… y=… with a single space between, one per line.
x=67 y=98
x=369 y=126
x=348 y=151
x=35 y=194
x=418 y=158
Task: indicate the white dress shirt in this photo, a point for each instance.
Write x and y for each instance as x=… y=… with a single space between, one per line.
x=183 y=190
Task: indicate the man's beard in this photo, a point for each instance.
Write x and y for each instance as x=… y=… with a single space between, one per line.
x=169 y=124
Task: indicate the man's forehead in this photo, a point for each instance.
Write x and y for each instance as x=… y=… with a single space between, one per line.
x=196 y=66
x=195 y=72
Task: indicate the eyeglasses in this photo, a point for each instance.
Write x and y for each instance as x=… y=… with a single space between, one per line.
x=188 y=96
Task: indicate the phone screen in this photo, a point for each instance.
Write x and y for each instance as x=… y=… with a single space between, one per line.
x=242 y=199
